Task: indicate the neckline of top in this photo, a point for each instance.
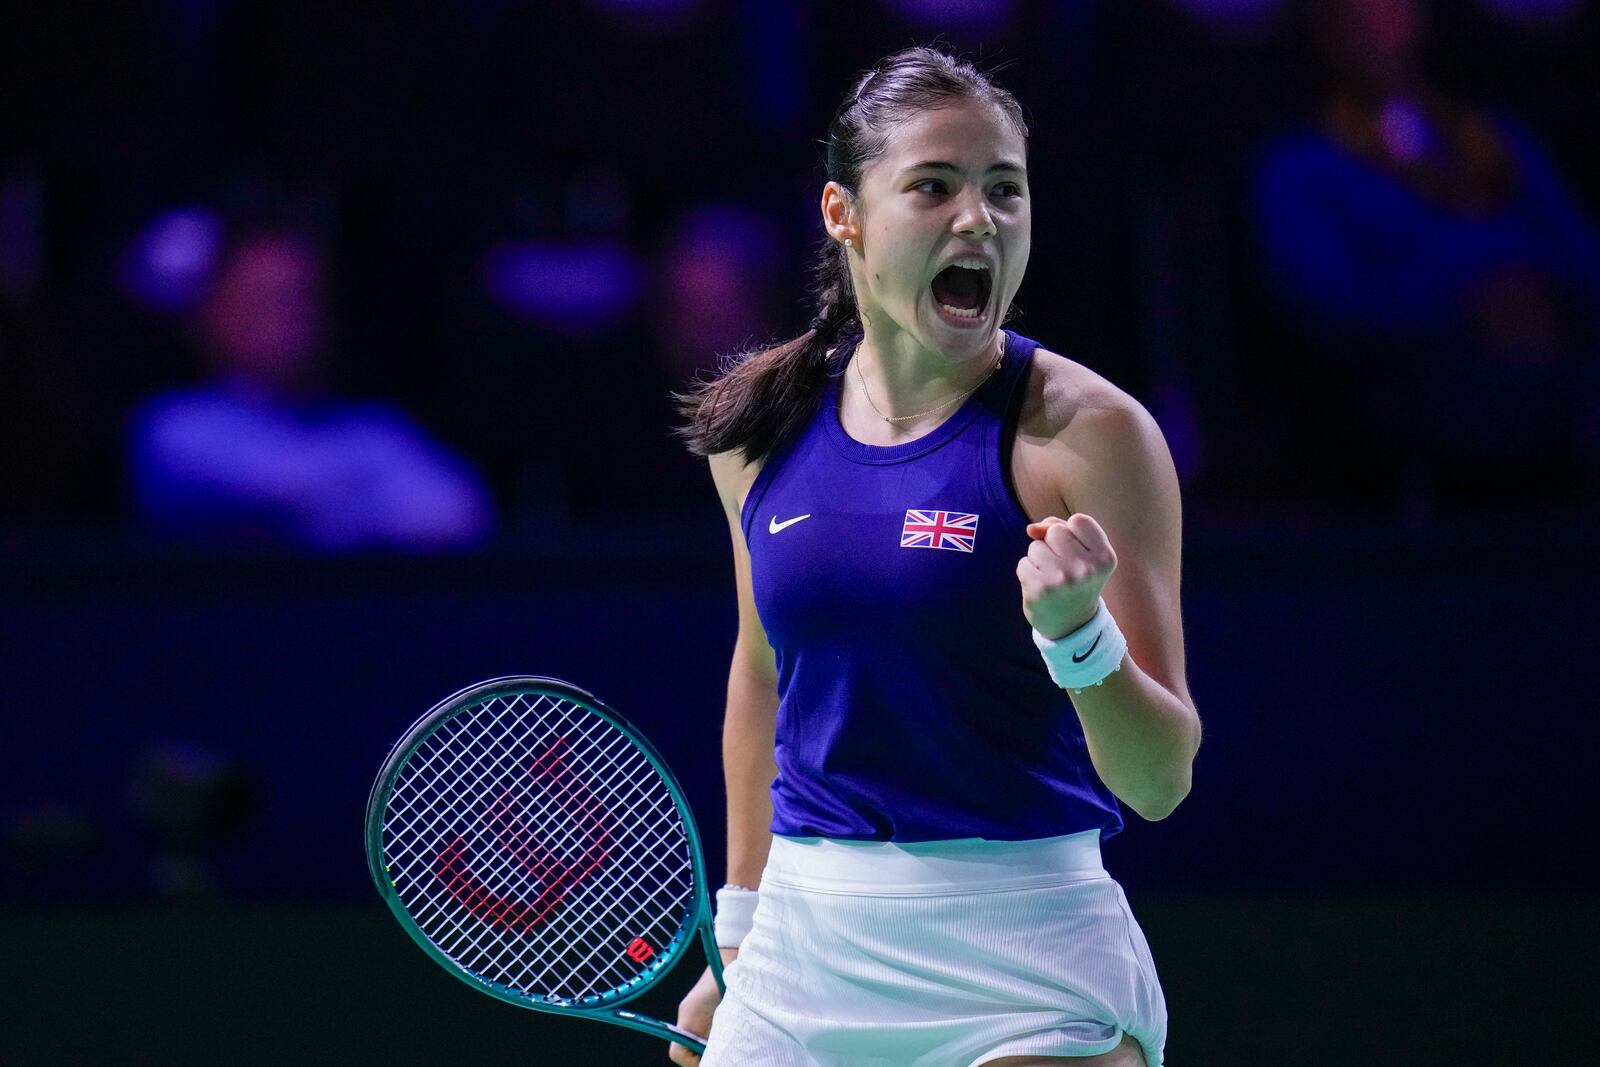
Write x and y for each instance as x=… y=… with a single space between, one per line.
x=957 y=421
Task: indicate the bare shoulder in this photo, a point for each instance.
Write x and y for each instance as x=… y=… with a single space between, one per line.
x=1062 y=396
x=733 y=477
x=1070 y=416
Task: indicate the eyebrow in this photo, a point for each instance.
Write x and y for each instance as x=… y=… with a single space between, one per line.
x=936 y=164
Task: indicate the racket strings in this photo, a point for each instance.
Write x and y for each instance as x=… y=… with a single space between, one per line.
x=543 y=862
x=622 y=747
x=565 y=931
x=482 y=941
x=537 y=847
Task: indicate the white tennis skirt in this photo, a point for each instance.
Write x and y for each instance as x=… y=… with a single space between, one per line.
x=937 y=954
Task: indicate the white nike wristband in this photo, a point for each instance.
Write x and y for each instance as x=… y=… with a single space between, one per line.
x=1087 y=655
x=736 y=909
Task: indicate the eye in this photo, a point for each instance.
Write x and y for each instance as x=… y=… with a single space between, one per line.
x=1006 y=189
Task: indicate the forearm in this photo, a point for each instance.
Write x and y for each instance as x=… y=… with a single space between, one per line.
x=748 y=771
x=1142 y=739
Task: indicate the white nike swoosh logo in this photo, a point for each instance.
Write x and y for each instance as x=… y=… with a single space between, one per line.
x=774 y=525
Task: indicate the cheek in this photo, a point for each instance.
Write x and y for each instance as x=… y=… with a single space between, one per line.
x=1019 y=253
x=897 y=270
x=903 y=253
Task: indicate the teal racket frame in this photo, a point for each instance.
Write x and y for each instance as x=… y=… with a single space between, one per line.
x=603 y=1007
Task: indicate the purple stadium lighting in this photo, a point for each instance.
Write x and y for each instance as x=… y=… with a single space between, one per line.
x=1536 y=14
x=576 y=287
x=1232 y=16
x=957 y=14
x=169 y=263
x=21 y=226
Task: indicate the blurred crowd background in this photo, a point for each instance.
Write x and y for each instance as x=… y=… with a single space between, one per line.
x=336 y=345
x=350 y=275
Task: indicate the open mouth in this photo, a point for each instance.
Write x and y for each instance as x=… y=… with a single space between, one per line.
x=962 y=293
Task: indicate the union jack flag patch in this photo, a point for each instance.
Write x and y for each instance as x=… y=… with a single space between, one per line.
x=953 y=530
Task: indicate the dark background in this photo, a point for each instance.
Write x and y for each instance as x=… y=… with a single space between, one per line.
x=1381 y=858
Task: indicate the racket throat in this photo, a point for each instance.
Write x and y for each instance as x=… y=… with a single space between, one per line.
x=655 y=1027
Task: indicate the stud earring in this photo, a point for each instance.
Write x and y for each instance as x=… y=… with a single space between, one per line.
x=847 y=242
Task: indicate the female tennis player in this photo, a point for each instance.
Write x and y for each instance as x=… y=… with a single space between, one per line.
x=915 y=807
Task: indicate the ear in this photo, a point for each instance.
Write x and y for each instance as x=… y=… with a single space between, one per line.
x=839 y=213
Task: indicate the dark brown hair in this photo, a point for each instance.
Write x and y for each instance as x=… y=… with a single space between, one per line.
x=764 y=395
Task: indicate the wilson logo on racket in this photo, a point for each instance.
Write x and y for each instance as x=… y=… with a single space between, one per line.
x=639 y=950
x=557 y=796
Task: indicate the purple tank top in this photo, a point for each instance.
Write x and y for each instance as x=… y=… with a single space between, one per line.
x=913 y=705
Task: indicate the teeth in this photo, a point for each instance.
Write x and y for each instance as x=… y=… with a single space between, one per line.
x=969 y=263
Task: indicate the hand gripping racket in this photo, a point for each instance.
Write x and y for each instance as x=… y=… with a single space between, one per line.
x=538 y=848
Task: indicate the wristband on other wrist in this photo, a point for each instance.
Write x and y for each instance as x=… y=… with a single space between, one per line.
x=736 y=909
x=1087 y=655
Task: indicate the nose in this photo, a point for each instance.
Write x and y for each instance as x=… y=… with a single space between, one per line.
x=975 y=219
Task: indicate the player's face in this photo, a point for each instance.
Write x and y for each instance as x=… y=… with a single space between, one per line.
x=916 y=218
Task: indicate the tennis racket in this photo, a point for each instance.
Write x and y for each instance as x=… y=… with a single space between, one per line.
x=537 y=847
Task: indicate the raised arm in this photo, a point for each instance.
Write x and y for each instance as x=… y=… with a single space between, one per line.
x=1125 y=535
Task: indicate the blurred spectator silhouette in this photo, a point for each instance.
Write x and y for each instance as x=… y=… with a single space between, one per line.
x=717 y=273
x=1426 y=255
x=718 y=265
x=263 y=450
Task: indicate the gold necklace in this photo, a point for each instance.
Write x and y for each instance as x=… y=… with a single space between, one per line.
x=1000 y=357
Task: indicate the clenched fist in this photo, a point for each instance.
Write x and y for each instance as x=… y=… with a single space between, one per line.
x=1062 y=575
